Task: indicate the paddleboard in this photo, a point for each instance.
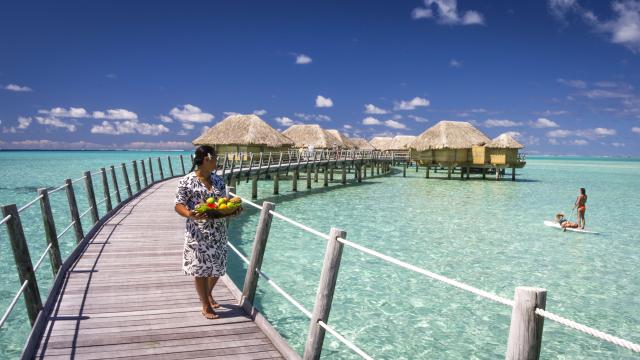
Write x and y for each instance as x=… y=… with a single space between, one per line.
x=554 y=224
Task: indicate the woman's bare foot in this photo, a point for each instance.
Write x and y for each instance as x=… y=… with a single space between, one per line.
x=208 y=313
x=214 y=304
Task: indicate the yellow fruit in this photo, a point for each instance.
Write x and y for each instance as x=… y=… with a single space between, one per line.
x=210 y=200
x=222 y=207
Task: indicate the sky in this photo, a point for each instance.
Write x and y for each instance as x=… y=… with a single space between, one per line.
x=561 y=76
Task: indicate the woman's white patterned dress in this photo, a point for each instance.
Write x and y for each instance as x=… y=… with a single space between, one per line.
x=205 y=241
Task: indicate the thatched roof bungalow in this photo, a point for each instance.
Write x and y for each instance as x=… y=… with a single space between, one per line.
x=243 y=134
x=305 y=136
x=344 y=140
x=362 y=144
x=401 y=142
x=447 y=143
x=503 y=150
x=382 y=143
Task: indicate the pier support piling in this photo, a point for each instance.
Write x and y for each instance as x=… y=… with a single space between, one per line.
x=525 y=331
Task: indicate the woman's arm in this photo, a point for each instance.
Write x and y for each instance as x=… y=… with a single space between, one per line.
x=182 y=210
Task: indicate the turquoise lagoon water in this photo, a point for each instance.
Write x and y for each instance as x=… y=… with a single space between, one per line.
x=488 y=234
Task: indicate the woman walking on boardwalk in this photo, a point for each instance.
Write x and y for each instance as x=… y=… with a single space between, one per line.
x=205 y=239
x=581 y=205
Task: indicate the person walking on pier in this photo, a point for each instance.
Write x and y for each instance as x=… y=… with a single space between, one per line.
x=581 y=205
x=205 y=240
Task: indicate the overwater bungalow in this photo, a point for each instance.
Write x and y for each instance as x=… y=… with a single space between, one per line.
x=381 y=143
x=401 y=142
x=344 y=140
x=500 y=152
x=362 y=144
x=311 y=137
x=244 y=134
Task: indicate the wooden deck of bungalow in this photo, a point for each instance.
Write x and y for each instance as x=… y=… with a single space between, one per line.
x=126 y=297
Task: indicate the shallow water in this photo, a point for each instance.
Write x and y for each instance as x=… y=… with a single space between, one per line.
x=488 y=234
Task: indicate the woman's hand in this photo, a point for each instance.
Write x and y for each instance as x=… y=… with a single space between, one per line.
x=198 y=216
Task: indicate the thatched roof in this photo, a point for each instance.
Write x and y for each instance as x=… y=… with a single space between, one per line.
x=504 y=141
x=361 y=144
x=449 y=135
x=381 y=142
x=311 y=135
x=243 y=130
x=401 y=142
x=346 y=142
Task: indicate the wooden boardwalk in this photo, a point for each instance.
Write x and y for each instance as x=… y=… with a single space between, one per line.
x=126 y=297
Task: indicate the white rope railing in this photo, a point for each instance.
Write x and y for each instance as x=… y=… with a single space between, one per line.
x=284 y=293
x=101 y=201
x=86 y=211
x=342 y=339
x=96 y=173
x=29 y=204
x=57 y=189
x=299 y=225
x=7 y=218
x=13 y=303
x=65 y=230
x=44 y=254
x=589 y=330
x=78 y=179
x=242 y=257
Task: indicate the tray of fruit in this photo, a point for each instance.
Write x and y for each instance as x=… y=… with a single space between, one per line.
x=225 y=206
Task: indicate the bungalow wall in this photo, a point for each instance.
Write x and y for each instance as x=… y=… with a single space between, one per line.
x=480 y=155
x=441 y=156
x=246 y=149
x=503 y=156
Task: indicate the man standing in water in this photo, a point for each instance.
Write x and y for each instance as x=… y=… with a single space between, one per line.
x=581 y=205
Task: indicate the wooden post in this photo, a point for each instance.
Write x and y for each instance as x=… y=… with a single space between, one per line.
x=468 y=170
x=73 y=209
x=513 y=174
x=23 y=261
x=126 y=179
x=308 y=177
x=240 y=168
x=331 y=172
x=404 y=169
x=151 y=171
x=359 y=172
x=224 y=165
x=324 y=296
x=525 y=331
x=250 y=166
x=317 y=170
x=105 y=187
x=254 y=187
x=136 y=176
x=449 y=172
x=184 y=171
x=417 y=166
x=497 y=174
x=233 y=165
x=170 y=166
x=363 y=165
x=160 y=169
x=427 y=174
x=276 y=183
x=326 y=176
x=461 y=172
x=114 y=179
x=484 y=173
x=259 y=246
x=259 y=165
x=91 y=197
x=372 y=165
x=144 y=174
x=294 y=180
x=344 y=172
x=50 y=231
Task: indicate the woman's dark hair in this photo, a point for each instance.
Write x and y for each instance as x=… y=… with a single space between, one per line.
x=583 y=191
x=201 y=152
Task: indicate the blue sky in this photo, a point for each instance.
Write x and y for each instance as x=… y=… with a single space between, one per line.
x=561 y=75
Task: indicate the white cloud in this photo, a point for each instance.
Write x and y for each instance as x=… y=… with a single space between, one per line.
x=395 y=124
x=302 y=59
x=323 y=102
x=55 y=122
x=347 y=126
x=49 y=145
x=419 y=119
x=165 y=119
x=24 y=122
x=604 y=132
x=543 y=123
x=372 y=109
x=260 y=112
x=231 y=113
x=312 y=117
x=618 y=144
x=455 y=63
x=635 y=130
x=285 y=121
x=578 y=84
x=578 y=142
x=371 y=121
x=115 y=114
x=160 y=145
x=190 y=113
x=188 y=126
x=128 y=127
x=501 y=123
x=559 y=133
x=411 y=104
x=17 y=88
x=9 y=130
x=72 y=112
x=446 y=12
x=623 y=28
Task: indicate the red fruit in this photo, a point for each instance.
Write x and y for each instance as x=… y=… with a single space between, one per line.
x=211 y=206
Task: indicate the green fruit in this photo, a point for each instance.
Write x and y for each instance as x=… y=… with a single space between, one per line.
x=210 y=200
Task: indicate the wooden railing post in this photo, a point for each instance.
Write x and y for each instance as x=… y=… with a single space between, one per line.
x=50 y=231
x=73 y=209
x=23 y=261
x=127 y=184
x=344 y=171
x=151 y=171
x=525 y=331
x=91 y=197
x=105 y=187
x=254 y=187
x=170 y=165
x=144 y=174
x=184 y=171
x=257 y=254
x=160 y=168
x=324 y=296
x=136 y=176
x=114 y=180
